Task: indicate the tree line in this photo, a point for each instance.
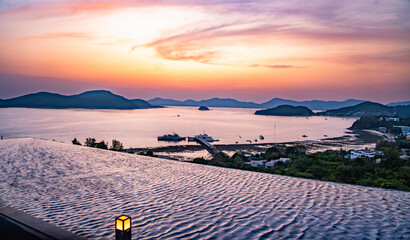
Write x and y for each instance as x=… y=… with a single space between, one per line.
x=391 y=172
x=91 y=142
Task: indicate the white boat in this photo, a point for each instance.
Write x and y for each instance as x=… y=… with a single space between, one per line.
x=204 y=136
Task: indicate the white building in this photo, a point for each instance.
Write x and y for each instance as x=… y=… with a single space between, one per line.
x=282 y=159
x=364 y=153
x=390 y=119
x=256 y=163
x=272 y=163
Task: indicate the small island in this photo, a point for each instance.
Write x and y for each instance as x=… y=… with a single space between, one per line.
x=286 y=110
x=203 y=108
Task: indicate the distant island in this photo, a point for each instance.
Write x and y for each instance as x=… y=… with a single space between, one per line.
x=213 y=102
x=275 y=102
x=203 y=108
x=98 y=99
x=368 y=109
x=399 y=103
x=364 y=109
x=233 y=103
x=102 y=99
x=286 y=110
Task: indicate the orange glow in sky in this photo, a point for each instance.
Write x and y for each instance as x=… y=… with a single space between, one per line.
x=302 y=50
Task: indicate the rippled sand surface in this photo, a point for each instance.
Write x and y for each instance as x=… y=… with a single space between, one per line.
x=83 y=189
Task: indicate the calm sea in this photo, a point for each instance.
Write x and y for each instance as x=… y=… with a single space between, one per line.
x=140 y=128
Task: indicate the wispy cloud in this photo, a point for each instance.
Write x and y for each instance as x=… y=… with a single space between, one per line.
x=206 y=44
x=320 y=22
x=274 y=66
x=201 y=44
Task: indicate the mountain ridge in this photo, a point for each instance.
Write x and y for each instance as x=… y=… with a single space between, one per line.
x=230 y=102
x=95 y=99
x=104 y=99
x=367 y=109
x=405 y=103
x=364 y=109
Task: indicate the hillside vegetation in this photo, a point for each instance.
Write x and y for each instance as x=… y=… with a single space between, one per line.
x=99 y=99
x=286 y=110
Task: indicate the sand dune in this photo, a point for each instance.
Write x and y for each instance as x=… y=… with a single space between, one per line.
x=83 y=189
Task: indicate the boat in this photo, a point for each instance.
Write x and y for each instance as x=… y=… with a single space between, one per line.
x=255 y=140
x=261 y=137
x=249 y=141
x=304 y=135
x=204 y=136
x=325 y=135
x=171 y=138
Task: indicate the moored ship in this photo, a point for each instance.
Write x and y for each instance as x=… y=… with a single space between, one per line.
x=204 y=136
x=171 y=138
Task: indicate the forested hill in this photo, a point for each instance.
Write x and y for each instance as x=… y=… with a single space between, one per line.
x=99 y=99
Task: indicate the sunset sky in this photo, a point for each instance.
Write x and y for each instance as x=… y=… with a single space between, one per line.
x=248 y=50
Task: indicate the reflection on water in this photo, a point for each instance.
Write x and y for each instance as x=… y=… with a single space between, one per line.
x=140 y=128
x=83 y=189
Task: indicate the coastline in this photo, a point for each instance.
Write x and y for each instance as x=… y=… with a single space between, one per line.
x=353 y=139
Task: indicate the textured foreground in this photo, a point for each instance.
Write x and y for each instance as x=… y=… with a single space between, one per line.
x=83 y=189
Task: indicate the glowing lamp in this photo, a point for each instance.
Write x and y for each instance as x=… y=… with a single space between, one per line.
x=123 y=228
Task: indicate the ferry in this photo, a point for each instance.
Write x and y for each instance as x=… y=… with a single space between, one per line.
x=171 y=138
x=204 y=136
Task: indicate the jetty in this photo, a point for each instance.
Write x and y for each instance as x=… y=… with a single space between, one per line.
x=211 y=148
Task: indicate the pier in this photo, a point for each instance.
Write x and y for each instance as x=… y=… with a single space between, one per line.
x=211 y=148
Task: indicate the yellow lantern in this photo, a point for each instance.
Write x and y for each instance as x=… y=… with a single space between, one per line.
x=123 y=228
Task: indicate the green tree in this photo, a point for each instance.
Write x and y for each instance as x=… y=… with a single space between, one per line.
x=90 y=142
x=200 y=160
x=102 y=145
x=392 y=159
x=76 y=142
x=345 y=174
x=318 y=171
x=116 y=145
